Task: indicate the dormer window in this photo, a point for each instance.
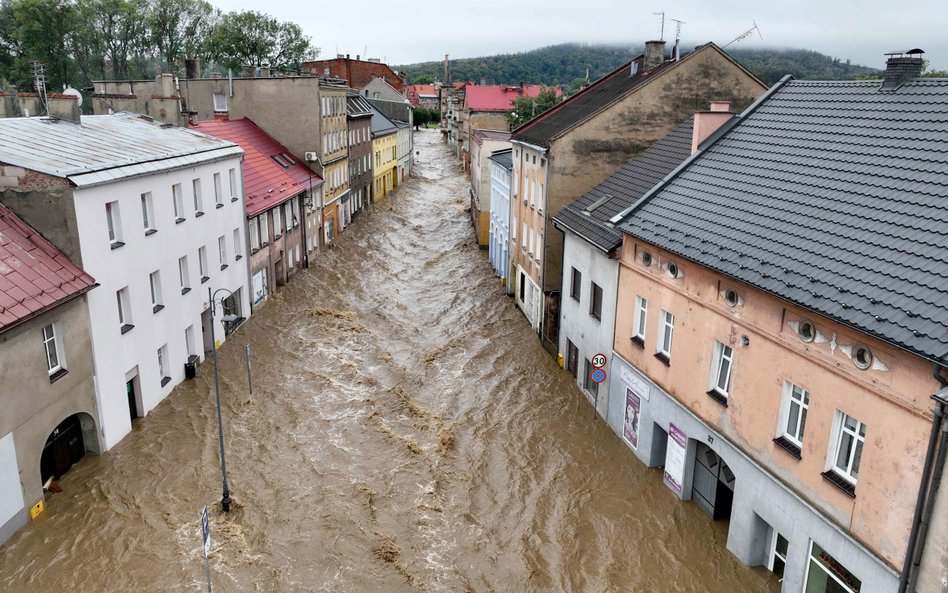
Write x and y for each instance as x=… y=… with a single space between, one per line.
x=672 y=269
x=731 y=298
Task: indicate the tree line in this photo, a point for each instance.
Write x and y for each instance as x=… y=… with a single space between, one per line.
x=79 y=41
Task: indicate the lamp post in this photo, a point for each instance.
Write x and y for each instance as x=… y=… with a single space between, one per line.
x=225 y=497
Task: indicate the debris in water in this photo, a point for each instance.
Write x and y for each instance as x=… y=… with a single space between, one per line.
x=446 y=439
x=387 y=550
x=324 y=312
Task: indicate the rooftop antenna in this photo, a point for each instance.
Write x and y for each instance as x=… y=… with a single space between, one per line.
x=39 y=80
x=745 y=34
x=662 y=14
x=678 y=25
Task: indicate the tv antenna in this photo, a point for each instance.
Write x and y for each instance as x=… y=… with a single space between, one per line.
x=662 y=14
x=39 y=80
x=745 y=34
x=678 y=25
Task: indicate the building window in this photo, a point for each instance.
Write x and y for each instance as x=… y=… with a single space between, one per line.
x=222 y=251
x=277 y=222
x=523 y=286
x=796 y=402
x=198 y=199
x=220 y=103
x=178 y=202
x=595 y=304
x=183 y=275
x=826 y=575
x=202 y=264
x=264 y=230
x=848 y=451
x=237 y=247
x=254 y=234
x=233 y=185
x=114 y=223
x=638 y=323
x=55 y=364
x=154 y=282
x=163 y=365
x=189 y=340
x=572 y=358
x=124 y=310
x=576 y=285
x=721 y=372
x=777 y=561
x=588 y=384
x=218 y=191
x=663 y=349
x=295 y=209
x=148 y=214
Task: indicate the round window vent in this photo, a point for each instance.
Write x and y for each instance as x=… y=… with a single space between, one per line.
x=862 y=356
x=731 y=298
x=807 y=331
x=673 y=269
x=647 y=258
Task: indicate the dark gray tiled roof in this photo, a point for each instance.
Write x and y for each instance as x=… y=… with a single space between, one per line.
x=381 y=125
x=831 y=195
x=504 y=158
x=624 y=186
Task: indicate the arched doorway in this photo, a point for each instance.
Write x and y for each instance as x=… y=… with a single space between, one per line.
x=66 y=445
x=713 y=484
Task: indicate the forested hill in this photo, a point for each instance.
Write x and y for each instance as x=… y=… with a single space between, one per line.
x=565 y=64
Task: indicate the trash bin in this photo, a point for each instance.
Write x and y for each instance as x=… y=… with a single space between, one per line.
x=190 y=369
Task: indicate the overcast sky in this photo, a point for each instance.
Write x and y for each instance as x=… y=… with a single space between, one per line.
x=403 y=33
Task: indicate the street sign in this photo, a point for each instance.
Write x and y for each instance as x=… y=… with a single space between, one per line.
x=598 y=376
x=598 y=361
x=205 y=531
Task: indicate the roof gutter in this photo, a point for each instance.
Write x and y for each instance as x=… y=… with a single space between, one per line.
x=710 y=141
x=528 y=145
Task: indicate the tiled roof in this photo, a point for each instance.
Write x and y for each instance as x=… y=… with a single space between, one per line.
x=357 y=106
x=499 y=97
x=34 y=275
x=504 y=158
x=381 y=125
x=830 y=195
x=588 y=215
x=104 y=148
x=267 y=183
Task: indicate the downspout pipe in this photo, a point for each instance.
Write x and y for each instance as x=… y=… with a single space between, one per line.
x=937 y=473
x=921 y=512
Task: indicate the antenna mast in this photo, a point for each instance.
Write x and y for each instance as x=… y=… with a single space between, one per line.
x=39 y=80
x=662 y=14
x=745 y=34
x=678 y=25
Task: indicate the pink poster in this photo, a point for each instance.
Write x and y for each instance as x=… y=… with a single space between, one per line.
x=675 y=458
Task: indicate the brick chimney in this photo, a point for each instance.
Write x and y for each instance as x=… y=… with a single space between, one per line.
x=707 y=122
x=654 y=54
x=902 y=66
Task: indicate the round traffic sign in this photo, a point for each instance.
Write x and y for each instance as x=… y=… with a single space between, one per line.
x=598 y=361
x=598 y=376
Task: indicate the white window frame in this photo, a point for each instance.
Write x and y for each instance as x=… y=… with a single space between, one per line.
x=793 y=395
x=667 y=330
x=254 y=233
x=220 y=102
x=124 y=307
x=218 y=191
x=184 y=275
x=198 y=196
x=154 y=284
x=189 y=340
x=233 y=184
x=163 y=371
x=238 y=251
x=639 y=322
x=113 y=220
x=723 y=354
x=840 y=431
x=202 y=263
x=53 y=345
x=811 y=560
x=277 y=221
x=222 y=250
x=178 y=198
x=148 y=212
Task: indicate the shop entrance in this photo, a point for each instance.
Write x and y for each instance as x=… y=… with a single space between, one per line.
x=64 y=447
x=713 y=484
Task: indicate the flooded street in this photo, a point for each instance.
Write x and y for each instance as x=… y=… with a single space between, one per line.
x=407 y=432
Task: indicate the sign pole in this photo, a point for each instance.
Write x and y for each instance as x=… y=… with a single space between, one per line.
x=206 y=544
x=249 y=375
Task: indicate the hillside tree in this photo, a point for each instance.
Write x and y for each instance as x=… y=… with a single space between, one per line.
x=254 y=39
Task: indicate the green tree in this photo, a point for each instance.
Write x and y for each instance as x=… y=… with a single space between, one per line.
x=526 y=108
x=180 y=28
x=253 y=38
x=421 y=116
x=113 y=32
x=42 y=30
x=423 y=80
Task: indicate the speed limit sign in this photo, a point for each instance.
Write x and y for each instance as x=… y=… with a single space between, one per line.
x=599 y=361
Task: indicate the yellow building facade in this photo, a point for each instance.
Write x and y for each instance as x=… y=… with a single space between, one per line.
x=384 y=164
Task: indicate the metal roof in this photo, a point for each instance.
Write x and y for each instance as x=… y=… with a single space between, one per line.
x=588 y=215
x=381 y=125
x=504 y=158
x=831 y=195
x=105 y=148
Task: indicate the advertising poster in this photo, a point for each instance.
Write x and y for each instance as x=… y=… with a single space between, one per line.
x=675 y=458
x=258 y=291
x=630 y=429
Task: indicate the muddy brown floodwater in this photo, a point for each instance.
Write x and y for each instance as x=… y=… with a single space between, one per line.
x=407 y=433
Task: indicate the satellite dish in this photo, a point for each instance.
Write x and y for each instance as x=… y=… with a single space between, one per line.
x=74 y=93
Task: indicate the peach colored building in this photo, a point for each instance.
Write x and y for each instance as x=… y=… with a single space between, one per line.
x=781 y=330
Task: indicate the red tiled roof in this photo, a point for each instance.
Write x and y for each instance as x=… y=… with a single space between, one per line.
x=266 y=182
x=414 y=91
x=34 y=275
x=500 y=98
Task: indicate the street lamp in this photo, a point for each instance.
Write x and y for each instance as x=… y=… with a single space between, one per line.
x=225 y=497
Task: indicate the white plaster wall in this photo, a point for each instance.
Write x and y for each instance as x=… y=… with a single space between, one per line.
x=115 y=353
x=500 y=219
x=11 y=495
x=590 y=335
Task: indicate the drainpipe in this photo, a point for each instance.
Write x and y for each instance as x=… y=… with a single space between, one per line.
x=926 y=499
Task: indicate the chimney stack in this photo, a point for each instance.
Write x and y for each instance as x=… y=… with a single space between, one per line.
x=192 y=68
x=707 y=122
x=654 y=54
x=902 y=66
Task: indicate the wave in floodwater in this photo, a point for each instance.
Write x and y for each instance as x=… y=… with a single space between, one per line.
x=406 y=432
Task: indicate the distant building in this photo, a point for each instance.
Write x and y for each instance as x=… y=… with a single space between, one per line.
x=357 y=72
x=423 y=95
x=501 y=167
x=378 y=88
x=385 y=155
x=156 y=215
x=50 y=415
x=400 y=113
x=360 y=152
x=483 y=144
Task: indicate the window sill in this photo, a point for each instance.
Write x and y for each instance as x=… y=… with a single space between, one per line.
x=57 y=375
x=165 y=381
x=178 y=220
x=238 y=257
x=840 y=482
x=150 y=232
x=275 y=237
x=718 y=397
x=204 y=279
x=223 y=267
x=574 y=297
x=254 y=250
x=788 y=446
x=593 y=315
x=266 y=244
x=198 y=214
x=127 y=328
x=234 y=199
x=186 y=290
x=664 y=358
x=219 y=205
x=638 y=341
x=157 y=308
x=115 y=245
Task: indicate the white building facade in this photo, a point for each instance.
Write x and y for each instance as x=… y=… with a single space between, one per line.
x=499 y=242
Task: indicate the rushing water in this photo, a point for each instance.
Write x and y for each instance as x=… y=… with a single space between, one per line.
x=407 y=432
